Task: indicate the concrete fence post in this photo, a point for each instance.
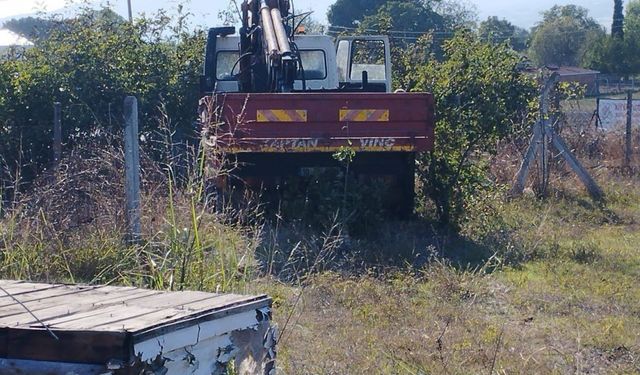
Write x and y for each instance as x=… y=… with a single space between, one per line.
x=132 y=170
x=57 y=134
x=627 y=141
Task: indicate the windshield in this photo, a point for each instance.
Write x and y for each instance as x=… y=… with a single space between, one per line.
x=313 y=62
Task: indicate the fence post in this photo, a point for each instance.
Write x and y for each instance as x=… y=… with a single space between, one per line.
x=537 y=145
x=627 y=149
x=57 y=134
x=598 y=124
x=132 y=169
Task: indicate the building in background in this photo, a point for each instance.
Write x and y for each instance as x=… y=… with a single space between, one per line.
x=585 y=77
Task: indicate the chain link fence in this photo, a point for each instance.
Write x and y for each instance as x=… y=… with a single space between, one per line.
x=587 y=126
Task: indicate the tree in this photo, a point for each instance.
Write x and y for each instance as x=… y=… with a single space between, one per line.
x=632 y=35
x=482 y=97
x=348 y=13
x=618 y=53
x=403 y=16
x=456 y=13
x=632 y=20
x=31 y=28
x=617 y=27
x=406 y=15
x=563 y=36
x=494 y=30
x=89 y=63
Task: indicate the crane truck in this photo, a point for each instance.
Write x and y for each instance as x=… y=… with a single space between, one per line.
x=284 y=102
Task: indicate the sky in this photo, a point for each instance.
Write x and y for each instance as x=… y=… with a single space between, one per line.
x=523 y=13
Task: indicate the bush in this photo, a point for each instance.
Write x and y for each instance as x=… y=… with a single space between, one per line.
x=89 y=64
x=482 y=97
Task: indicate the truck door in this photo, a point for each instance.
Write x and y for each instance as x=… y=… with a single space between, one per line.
x=364 y=63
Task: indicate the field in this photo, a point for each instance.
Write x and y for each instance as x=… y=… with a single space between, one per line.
x=569 y=306
x=529 y=285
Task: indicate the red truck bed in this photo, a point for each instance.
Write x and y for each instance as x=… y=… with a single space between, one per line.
x=322 y=122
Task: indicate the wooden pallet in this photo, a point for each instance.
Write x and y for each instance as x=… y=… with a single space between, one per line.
x=103 y=325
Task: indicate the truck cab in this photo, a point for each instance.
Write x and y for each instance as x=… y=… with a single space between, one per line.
x=325 y=65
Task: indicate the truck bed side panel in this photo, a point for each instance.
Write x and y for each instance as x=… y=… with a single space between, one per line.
x=324 y=122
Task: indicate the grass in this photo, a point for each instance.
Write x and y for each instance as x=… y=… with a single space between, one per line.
x=571 y=307
x=531 y=286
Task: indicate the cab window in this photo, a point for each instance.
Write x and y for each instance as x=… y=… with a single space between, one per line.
x=314 y=63
x=225 y=61
x=369 y=56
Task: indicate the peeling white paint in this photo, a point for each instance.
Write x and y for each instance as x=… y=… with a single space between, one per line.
x=246 y=338
x=191 y=336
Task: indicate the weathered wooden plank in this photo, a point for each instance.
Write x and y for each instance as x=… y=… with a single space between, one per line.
x=30 y=296
x=87 y=321
x=7 y=281
x=165 y=306
x=220 y=301
x=89 y=303
x=130 y=310
x=16 y=289
x=50 y=298
x=100 y=311
x=165 y=315
x=171 y=299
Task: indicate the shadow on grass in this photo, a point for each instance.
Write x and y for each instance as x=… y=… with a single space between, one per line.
x=291 y=249
x=594 y=210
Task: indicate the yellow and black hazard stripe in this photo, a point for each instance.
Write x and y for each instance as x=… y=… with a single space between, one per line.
x=281 y=115
x=364 y=115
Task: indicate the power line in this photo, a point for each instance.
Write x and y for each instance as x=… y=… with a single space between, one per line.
x=440 y=35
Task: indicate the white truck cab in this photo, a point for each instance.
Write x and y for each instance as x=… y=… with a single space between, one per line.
x=324 y=65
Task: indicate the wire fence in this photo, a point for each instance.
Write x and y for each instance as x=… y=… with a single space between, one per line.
x=586 y=124
x=609 y=84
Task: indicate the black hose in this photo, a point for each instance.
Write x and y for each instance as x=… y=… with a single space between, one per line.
x=238 y=61
x=304 y=17
x=297 y=52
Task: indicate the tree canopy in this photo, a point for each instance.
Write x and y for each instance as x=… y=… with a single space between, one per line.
x=89 y=63
x=617 y=26
x=31 y=28
x=618 y=53
x=563 y=36
x=404 y=15
x=349 y=13
x=494 y=30
x=632 y=20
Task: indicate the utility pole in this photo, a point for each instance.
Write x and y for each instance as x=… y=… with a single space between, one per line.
x=130 y=12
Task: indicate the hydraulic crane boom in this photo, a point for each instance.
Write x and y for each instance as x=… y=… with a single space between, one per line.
x=268 y=63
